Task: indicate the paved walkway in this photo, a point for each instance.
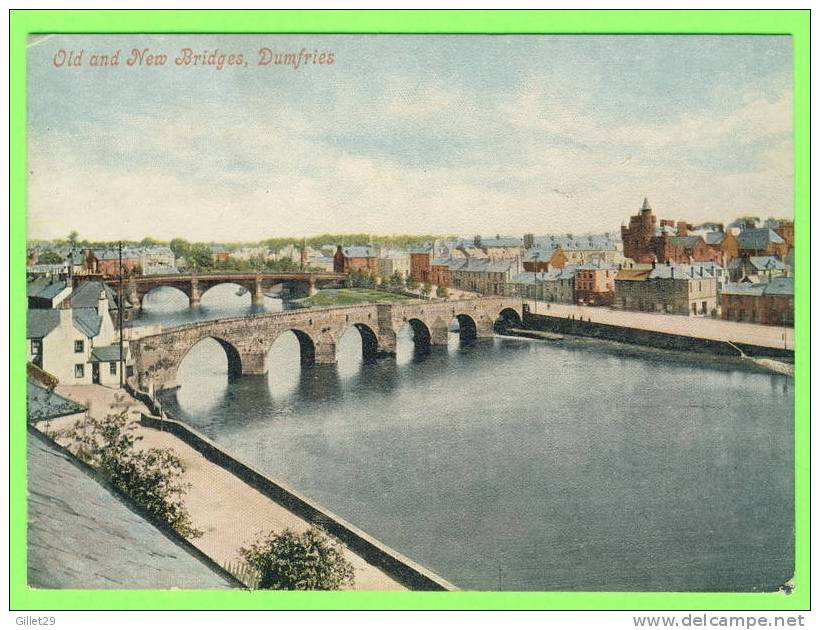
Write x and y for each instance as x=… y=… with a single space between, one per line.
x=231 y=513
x=699 y=327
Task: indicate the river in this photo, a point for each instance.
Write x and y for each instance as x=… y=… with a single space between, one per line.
x=513 y=464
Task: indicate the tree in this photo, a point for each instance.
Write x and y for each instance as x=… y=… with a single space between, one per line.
x=150 y=477
x=412 y=283
x=149 y=240
x=199 y=257
x=299 y=562
x=72 y=238
x=50 y=258
x=442 y=292
x=180 y=247
x=426 y=289
x=397 y=280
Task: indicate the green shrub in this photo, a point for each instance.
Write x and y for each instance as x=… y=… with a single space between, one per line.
x=308 y=561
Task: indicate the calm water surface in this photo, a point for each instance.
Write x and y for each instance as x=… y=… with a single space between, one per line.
x=526 y=465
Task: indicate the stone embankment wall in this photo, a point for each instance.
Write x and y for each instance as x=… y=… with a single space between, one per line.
x=654 y=339
x=400 y=568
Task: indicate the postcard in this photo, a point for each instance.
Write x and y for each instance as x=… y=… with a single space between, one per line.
x=411 y=312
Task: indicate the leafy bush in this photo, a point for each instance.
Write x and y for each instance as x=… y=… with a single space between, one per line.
x=299 y=562
x=150 y=477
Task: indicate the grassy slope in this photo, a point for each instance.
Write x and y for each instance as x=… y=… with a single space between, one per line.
x=334 y=297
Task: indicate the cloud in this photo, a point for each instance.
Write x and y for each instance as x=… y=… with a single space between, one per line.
x=411 y=154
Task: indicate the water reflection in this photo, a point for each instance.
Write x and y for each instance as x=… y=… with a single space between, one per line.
x=526 y=465
x=169 y=306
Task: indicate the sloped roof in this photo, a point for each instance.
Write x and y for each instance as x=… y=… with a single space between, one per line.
x=43 y=404
x=47 y=288
x=780 y=286
x=714 y=238
x=765 y=263
x=542 y=254
x=358 y=251
x=87 y=321
x=87 y=294
x=686 y=242
x=743 y=288
x=758 y=238
x=40 y=322
x=104 y=354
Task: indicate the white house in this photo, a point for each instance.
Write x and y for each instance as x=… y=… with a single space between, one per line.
x=77 y=345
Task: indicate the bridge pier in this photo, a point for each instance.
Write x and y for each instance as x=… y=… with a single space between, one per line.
x=258 y=295
x=195 y=296
x=254 y=363
x=439 y=335
x=324 y=353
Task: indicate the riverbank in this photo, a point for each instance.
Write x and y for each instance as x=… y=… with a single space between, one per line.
x=670 y=332
x=230 y=512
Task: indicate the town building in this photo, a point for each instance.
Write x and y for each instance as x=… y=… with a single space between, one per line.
x=669 y=288
x=219 y=254
x=761 y=242
x=156 y=256
x=394 y=262
x=481 y=276
x=47 y=291
x=770 y=303
x=106 y=262
x=595 y=283
x=75 y=345
x=555 y=285
x=421 y=258
x=440 y=270
x=723 y=243
x=355 y=258
x=646 y=240
x=757 y=269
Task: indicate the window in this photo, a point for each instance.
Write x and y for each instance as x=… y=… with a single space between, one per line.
x=36 y=346
x=112 y=367
x=79 y=345
x=79 y=370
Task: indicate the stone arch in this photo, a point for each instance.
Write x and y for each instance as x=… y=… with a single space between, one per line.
x=422 y=334
x=370 y=340
x=231 y=352
x=307 y=347
x=467 y=328
x=507 y=318
x=205 y=287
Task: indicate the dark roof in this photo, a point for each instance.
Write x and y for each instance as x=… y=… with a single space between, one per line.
x=645 y=205
x=758 y=238
x=87 y=295
x=105 y=354
x=40 y=322
x=687 y=242
x=87 y=321
x=42 y=403
x=358 y=251
x=780 y=286
x=82 y=536
x=714 y=238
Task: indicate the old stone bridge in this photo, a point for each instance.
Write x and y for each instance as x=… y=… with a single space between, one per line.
x=247 y=340
x=257 y=283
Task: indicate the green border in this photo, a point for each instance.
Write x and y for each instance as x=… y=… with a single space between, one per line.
x=22 y=23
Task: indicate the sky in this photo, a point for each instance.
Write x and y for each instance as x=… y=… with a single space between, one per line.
x=405 y=135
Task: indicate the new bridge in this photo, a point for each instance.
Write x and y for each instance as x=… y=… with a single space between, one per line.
x=194 y=285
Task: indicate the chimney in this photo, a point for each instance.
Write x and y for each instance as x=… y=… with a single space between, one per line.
x=102 y=303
